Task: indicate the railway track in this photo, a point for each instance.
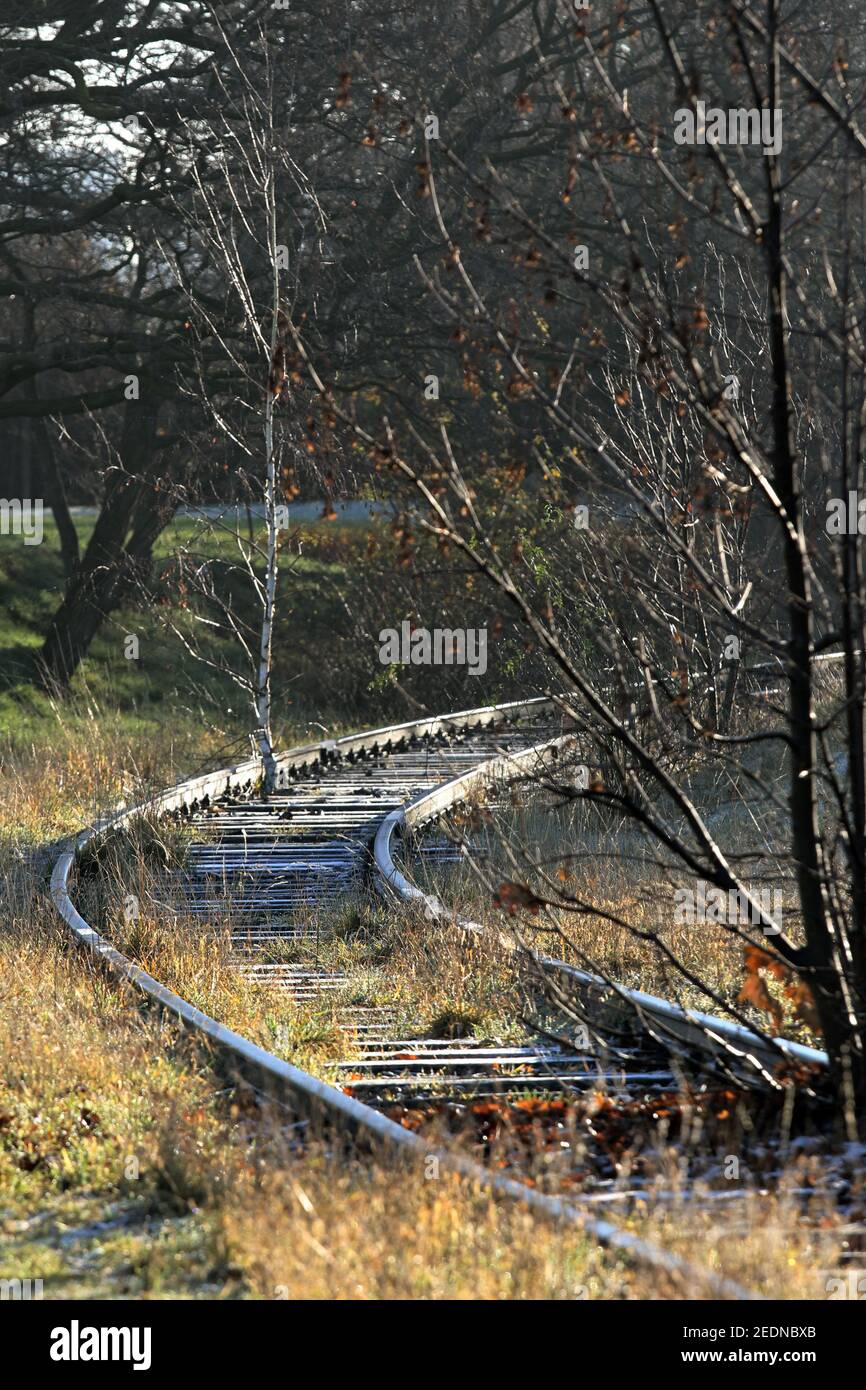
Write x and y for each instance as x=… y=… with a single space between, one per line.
x=266 y=868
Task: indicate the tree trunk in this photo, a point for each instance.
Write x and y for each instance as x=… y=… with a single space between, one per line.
x=100 y=578
x=264 y=736
x=51 y=484
x=836 y=991
x=49 y=478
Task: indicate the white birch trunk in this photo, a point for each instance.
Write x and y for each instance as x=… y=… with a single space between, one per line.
x=263 y=683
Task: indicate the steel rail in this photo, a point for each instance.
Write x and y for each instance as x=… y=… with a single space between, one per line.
x=276 y=1079
x=666 y=1021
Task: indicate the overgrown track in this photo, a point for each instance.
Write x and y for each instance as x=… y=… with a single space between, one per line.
x=739 y=1051
x=309 y=842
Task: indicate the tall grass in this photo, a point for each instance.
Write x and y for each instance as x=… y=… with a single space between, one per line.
x=129 y=1166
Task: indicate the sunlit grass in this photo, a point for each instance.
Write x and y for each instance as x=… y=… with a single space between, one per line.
x=130 y=1166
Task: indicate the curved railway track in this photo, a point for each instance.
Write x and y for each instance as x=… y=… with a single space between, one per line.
x=330 y=830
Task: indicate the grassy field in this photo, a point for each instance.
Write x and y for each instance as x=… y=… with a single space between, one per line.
x=171 y=1187
x=168 y=687
x=339 y=583
x=166 y=1187
x=128 y=1167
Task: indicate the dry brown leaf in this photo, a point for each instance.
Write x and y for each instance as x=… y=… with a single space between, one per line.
x=513 y=896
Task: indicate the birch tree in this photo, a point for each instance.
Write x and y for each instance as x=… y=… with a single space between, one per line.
x=249 y=199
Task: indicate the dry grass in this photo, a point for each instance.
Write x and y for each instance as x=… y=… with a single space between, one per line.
x=624 y=905
x=68 y=779
x=367 y=1233
x=759 y=1242
x=436 y=983
x=127 y=1169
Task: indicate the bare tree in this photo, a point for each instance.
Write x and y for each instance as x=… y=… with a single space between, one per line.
x=244 y=215
x=617 y=340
